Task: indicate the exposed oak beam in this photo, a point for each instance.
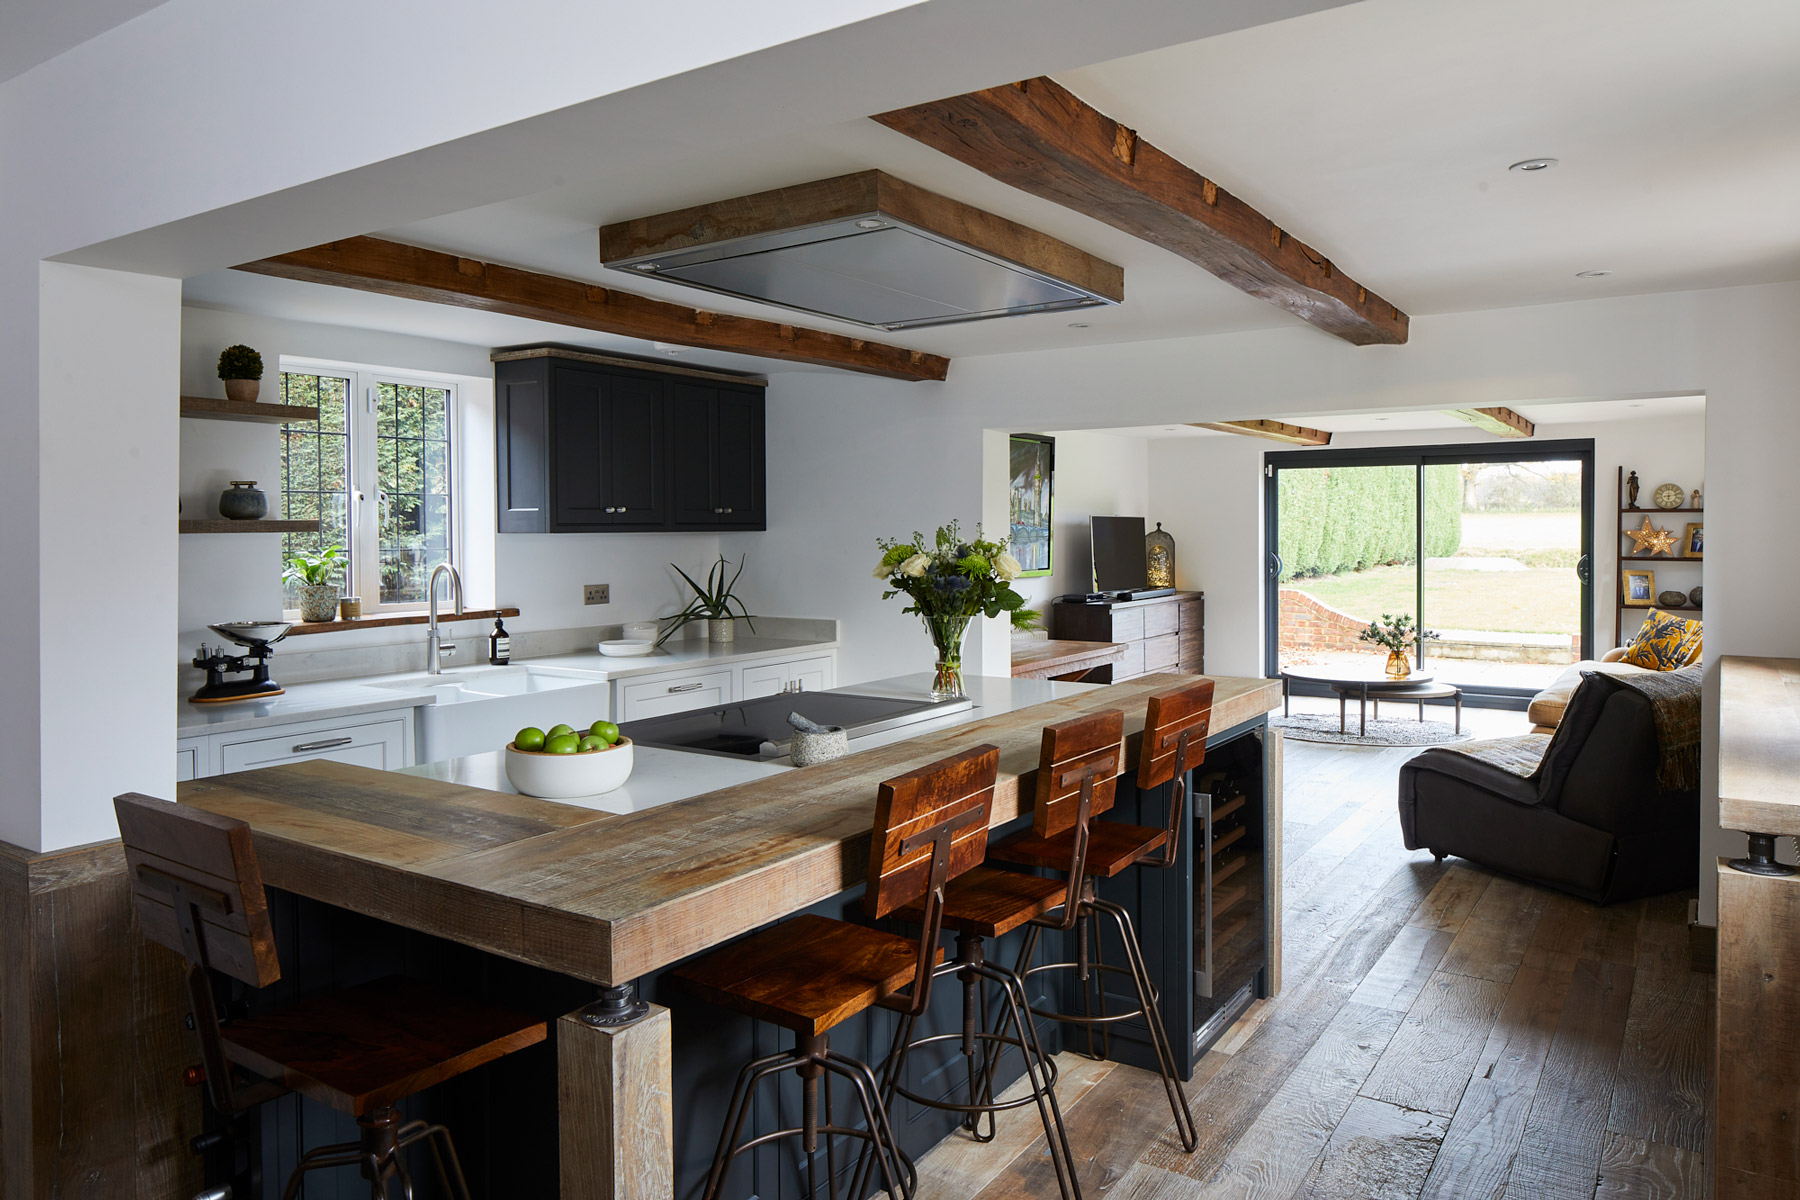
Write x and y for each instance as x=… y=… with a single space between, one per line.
x=1043 y=139
x=392 y=269
x=1275 y=431
x=1501 y=422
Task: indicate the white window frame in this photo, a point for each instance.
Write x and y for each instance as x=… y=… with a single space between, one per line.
x=365 y=509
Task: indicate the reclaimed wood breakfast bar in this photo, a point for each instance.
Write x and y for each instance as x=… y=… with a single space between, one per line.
x=550 y=903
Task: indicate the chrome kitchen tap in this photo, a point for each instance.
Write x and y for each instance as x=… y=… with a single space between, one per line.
x=435 y=645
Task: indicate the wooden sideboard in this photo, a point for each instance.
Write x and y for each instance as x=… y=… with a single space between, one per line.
x=1164 y=633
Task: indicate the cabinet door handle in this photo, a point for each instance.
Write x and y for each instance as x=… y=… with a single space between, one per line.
x=718 y=510
x=327 y=744
x=686 y=687
x=728 y=510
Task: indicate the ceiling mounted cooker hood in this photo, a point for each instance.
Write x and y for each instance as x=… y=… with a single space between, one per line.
x=866 y=248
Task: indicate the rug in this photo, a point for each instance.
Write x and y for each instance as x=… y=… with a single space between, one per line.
x=1388 y=731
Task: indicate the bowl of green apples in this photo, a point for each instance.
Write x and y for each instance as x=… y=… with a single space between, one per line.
x=563 y=762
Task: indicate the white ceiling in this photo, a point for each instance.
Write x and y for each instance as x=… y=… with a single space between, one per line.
x=1380 y=132
x=1548 y=417
x=35 y=31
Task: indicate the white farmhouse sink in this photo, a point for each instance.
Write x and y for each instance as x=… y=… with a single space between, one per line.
x=480 y=708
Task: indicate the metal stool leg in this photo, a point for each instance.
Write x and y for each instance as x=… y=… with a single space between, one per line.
x=1159 y=1038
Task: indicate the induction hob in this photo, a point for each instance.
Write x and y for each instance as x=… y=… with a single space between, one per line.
x=759 y=728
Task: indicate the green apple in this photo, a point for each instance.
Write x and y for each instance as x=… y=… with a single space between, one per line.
x=562 y=743
x=559 y=730
x=606 y=731
x=590 y=742
x=529 y=738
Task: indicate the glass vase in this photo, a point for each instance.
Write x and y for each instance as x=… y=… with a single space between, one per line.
x=947 y=637
x=1397 y=666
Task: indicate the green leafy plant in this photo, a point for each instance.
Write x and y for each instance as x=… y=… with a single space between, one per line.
x=315 y=569
x=1397 y=634
x=713 y=602
x=240 y=362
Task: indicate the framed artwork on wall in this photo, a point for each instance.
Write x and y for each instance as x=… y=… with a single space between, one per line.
x=1032 y=463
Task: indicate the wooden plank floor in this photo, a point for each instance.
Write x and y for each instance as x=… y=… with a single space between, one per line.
x=1445 y=1032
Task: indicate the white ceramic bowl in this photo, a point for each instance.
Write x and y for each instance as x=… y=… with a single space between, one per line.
x=566 y=776
x=627 y=648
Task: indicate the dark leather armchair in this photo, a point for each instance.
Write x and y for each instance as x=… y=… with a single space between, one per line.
x=1592 y=821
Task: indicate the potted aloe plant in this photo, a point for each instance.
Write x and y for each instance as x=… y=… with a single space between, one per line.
x=313 y=577
x=241 y=371
x=713 y=603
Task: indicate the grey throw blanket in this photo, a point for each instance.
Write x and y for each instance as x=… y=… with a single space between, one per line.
x=1674 y=699
x=1521 y=755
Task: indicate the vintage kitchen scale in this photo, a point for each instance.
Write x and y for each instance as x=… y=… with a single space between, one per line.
x=256 y=637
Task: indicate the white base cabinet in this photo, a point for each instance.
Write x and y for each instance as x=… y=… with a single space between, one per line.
x=643 y=696
x=813 y=674
x=383 y=741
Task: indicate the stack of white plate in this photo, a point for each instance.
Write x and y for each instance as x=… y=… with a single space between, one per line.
x=627 y=648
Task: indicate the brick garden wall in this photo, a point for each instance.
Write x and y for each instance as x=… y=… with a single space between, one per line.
x=1308 y=626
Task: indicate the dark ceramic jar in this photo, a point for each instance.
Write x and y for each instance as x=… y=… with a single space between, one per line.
x=243 y=502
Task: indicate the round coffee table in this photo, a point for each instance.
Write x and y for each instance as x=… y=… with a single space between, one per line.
x=1372 y=683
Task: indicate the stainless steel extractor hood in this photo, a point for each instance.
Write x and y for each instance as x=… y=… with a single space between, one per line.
x=866 y=248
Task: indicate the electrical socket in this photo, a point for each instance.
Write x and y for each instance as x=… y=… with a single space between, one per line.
x=597 y=593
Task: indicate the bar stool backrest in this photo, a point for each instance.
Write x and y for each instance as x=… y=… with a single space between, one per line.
x=931 y=825
x=1072 y=751
x=1186 y=709
x=197 y=889
x=187 y=858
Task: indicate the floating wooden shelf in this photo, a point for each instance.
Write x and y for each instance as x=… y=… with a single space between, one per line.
x=383 y=621
x=218 y=525
x=1651 y=512
x=1661 y=607
x=1659 y=558
x=210 y=409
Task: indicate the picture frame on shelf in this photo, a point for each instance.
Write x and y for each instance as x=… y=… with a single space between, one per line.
x=1693 y=544
x=1030 y=499
x=1637 y=589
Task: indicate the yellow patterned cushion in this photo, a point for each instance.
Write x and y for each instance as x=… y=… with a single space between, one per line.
x=1665 y=643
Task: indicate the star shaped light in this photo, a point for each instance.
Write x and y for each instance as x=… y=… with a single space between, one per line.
x=1651 y=540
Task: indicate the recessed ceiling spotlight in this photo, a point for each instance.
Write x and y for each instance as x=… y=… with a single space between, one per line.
x=1592 y=274
x=1078 y=325
x=1533 y=164
x=666 y=347
x=1382 y=418
x=643 y=266
x=871 y=223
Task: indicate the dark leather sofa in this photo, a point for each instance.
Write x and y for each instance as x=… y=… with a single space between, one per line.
x=1592 y=822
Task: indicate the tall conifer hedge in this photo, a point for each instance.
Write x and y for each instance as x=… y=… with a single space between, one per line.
x=1336 y=519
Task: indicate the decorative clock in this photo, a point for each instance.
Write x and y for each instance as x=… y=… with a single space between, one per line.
x=1669 y=495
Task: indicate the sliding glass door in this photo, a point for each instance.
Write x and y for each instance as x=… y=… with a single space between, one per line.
x=1488 y=547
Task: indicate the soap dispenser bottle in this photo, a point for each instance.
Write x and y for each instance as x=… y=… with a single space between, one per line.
x=499 y=645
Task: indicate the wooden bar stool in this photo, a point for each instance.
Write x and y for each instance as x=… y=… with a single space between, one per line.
x=1064 y=837
x=812 y=973
x=197 y=889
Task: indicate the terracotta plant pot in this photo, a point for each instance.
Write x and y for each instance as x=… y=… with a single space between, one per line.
x=318 y=601
x=242 y=391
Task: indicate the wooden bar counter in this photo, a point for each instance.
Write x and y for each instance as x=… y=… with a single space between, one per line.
x=611 y=897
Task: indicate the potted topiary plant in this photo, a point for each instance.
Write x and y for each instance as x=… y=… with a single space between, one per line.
x=313 y=576
x=241 y=370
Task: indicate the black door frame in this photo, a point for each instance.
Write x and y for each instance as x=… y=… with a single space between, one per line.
x=1275 y=461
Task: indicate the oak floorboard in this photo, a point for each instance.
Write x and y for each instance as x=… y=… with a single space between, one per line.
x=1492 y=942
x=1377 y=1152
x=1635 y=1169
x=1559 y=1153
x=1454 y=897
x=1659 y=1094
x=1430 y=1060
x=1277 y=1151
x=1400 y=974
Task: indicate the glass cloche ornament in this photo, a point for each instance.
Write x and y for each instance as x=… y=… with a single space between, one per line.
x=1159 y=558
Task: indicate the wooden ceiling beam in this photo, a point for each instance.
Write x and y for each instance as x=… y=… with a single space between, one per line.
x=392 y=269
x=1274 y=431
x=1501 y=422
x=1041 y=138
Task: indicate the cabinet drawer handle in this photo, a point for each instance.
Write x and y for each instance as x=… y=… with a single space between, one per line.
x=728 y=510
x=327 y=744
x=686 y=687
x=612 y=510
x=718 y=510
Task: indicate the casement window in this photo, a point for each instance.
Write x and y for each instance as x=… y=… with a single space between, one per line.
x=377 y=469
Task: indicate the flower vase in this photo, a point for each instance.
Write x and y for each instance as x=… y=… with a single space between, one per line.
x=947 y=637
x=1397 y=666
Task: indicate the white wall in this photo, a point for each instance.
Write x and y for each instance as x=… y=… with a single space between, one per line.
x=234 y=577
x=1212 y=489
x=1097 y=474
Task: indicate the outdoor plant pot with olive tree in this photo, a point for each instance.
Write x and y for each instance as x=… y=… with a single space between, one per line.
x=241 y=371
x=314 y=577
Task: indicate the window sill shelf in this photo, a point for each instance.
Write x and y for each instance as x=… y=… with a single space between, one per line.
x=381 y=622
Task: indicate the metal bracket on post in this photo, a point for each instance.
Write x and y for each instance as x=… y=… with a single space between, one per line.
x=618 y=1004
x=1761 y=859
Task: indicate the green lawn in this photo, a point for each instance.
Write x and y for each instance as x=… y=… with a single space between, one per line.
x=1538 y=600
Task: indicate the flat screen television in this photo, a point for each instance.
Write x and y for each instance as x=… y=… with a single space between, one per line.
x=1119 y=554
